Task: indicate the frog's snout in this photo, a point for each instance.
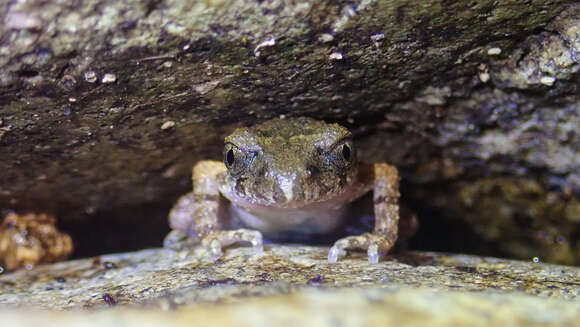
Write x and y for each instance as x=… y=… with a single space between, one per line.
x=286 y=184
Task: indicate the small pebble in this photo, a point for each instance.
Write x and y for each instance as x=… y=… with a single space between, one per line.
x=377 y=37
x=167 y=125
x=69 y=81
x=67 y=110
x=493 y=51
x=548 y=80
x=336 y=56
x=110 y=300
x=109 y=78
x=318 y=279
x=109 y=265
x=325 y=38
x=96 y=261
x=484 y=77
x=21 y=20
x=270 y=42
x=90 y=76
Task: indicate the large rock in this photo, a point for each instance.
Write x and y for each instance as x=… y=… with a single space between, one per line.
x=293 y=285
x=104 y=106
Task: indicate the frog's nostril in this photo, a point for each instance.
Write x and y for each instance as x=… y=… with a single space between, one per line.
x=312 y=171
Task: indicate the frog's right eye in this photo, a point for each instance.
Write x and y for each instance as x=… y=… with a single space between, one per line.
x=236 y=159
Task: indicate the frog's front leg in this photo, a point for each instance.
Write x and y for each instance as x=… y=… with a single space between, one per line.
x=194 y=218
x=385 y=179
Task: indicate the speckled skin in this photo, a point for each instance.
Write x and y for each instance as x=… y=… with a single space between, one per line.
x=286 y=175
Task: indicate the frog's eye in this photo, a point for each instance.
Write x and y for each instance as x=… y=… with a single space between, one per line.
x=342 y=154
x=236 y=159
x=346 y=152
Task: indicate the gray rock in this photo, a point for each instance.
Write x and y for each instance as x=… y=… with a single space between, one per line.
x=292 y=284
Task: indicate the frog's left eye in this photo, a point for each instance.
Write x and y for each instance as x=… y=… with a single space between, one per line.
x=346 y=152
x=342 y=154
x=236 y=159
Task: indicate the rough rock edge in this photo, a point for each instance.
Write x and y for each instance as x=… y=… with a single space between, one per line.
x=368 y=307
x=160 y=278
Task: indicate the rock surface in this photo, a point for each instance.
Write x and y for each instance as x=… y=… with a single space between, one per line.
x=105 y=105
x=293 y=283
x=368 y=307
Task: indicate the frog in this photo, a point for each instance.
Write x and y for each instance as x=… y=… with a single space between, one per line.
x=292 y=175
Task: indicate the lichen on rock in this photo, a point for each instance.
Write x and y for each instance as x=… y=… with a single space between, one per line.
x=31 y=239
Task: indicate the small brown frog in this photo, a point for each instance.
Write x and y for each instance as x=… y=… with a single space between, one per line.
x=293 y=175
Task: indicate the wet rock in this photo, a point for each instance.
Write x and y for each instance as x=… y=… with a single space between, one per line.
x=296 y=282
x=369 y=307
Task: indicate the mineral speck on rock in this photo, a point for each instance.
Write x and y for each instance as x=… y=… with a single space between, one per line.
x=108 y=78
x=336 y=56
x=493 y=51
x=269 y=42
x=167 y=125
x=547 y=80
x=91 y=76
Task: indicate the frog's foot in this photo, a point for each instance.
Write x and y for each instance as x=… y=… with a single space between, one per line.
x=178 y=240
x=216 y=240
x=375 y=245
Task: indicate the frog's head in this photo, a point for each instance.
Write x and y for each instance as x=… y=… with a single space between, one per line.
x=289 y=163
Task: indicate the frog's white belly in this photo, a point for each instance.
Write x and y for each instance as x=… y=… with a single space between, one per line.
x=314 y=219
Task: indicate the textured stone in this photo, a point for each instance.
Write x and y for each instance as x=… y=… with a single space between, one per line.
x=161 y=277
x=289 y=285
x=368 y=307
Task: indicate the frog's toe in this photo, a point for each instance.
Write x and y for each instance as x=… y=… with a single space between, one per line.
x=213 y=245
x=338 y=250
x=335 y=253
x=178 y=240
x=373 y=253
x=256 y=250
x=215 y=241
x=375 y=246
x=254 y=238
x=215 y=248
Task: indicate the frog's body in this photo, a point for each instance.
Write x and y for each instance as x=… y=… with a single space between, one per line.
x=294 y=175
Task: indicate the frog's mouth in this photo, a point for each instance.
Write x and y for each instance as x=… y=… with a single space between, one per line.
x=329 y=200
x=291 y=189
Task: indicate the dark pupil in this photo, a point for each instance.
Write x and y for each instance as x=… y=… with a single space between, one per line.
x=346 y=152
x=230 y=157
